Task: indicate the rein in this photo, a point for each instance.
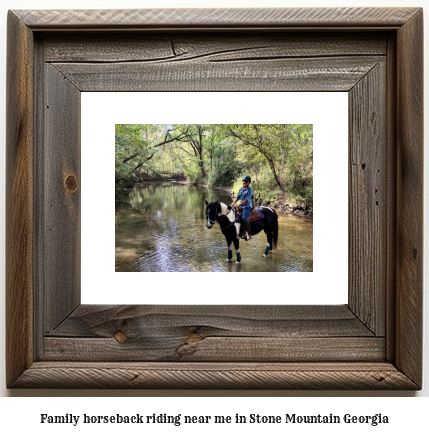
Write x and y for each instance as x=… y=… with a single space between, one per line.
x=229 y=225
x=220 y=219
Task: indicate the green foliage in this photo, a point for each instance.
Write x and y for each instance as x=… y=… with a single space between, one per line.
x=143 y=152
x=193 y=174
x=132 y=150
x=278 y=157
x=225 y=175
x=224 y=165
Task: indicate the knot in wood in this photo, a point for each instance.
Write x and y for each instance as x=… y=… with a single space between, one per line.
x=120 y=337
x=193 y=338
x=71 y=183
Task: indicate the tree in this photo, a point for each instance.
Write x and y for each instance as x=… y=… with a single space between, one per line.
x=195 y=135
x=278 y=156
x=265 y=139
x=286 y=149
x=136 y=144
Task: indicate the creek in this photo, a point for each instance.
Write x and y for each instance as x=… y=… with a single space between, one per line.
x=161 y=227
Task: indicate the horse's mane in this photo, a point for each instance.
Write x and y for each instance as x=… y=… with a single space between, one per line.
x=225 y=211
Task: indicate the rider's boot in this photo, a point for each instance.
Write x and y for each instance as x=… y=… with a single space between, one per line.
x=247 y=230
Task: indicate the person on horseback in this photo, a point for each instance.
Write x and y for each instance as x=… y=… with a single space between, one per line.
x=245 y=195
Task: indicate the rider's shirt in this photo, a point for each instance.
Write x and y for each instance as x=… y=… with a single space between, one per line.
x=246 y=194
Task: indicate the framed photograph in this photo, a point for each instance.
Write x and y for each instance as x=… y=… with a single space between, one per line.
x=373 y=341
x=160 y=225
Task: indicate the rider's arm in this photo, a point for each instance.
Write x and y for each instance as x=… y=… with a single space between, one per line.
x=236 y=199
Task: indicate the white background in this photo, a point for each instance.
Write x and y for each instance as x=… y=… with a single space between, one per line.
x=21 y=414
x=327 y=111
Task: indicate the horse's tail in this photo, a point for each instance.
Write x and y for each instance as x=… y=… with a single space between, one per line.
x=275 y=230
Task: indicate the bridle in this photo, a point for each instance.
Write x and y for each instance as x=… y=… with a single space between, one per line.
x=211 y=222
x=230 y=223
x=220 y=219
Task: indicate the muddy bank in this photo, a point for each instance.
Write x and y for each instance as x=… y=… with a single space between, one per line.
x=283 y=206
x=295 y=210
x=221 y=188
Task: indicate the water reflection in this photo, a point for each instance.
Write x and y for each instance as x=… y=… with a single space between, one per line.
x=161 y=228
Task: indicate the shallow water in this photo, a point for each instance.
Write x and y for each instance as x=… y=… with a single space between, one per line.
x=162 y=227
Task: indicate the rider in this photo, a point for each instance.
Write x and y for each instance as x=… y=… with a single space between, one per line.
x=245 y=195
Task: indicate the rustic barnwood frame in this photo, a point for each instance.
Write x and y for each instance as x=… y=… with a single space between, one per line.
x=373 y=342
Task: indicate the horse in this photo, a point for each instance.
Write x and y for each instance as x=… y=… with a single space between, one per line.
x=222 y=214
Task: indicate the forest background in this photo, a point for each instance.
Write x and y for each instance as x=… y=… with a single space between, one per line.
x=278 y=158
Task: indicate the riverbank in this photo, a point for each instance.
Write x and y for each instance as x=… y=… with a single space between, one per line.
x=295 y=209
x=220 y=188
x=283 y=206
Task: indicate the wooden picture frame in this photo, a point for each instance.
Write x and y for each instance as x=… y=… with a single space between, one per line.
x=373 y=342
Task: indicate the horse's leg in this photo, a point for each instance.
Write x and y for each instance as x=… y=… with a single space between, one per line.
x=237 y=249
x=270 y=238
x=269 y=246
x=229 y=243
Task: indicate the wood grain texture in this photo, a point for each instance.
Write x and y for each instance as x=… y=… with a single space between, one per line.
x=99 y=321
x=325 y=74
x=19 y=200
x=61 y=206
x=368 y=203
x=153 y=347
x=193 y=347
x=109 y=375
x=213 y=333
x=233 y=47
x=391 y=191
x=209 y=18
x=409 y=278
x=39 y=199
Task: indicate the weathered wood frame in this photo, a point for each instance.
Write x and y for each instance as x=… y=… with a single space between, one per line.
x=374 y=342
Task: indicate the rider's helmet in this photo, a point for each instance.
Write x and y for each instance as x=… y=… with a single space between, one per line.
x=246 y=179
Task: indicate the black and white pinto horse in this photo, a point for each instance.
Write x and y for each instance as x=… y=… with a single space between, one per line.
x=217 y=212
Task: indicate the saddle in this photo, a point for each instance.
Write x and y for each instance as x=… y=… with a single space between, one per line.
x=254 y=215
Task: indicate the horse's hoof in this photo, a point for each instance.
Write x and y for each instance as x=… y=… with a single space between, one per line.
x=228 y=260
x=238 y=263
x=264 y=255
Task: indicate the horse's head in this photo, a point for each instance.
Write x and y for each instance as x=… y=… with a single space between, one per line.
x=212 y=211
x=215 y=212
